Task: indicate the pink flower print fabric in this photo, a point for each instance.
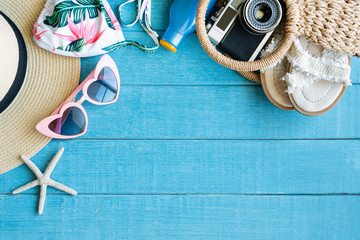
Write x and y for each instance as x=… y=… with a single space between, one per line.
x=77 y=28
x=35 y=32
x=89 y=34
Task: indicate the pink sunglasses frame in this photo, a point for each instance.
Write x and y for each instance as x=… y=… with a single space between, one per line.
x=43 y=125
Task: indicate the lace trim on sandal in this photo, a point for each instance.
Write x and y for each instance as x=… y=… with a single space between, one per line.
x=331 y=66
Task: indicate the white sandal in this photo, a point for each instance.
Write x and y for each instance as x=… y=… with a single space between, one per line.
x=271 y=77
x=274 y=88
x=317 y=78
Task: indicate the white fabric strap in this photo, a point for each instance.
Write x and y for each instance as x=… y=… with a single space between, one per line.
x=330 y=65
x=144 y=17
x=137 y=15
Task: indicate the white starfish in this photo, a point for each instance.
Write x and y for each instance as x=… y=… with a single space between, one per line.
x=44 y=179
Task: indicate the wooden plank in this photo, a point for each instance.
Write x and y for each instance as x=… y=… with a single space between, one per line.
x=222 y=112
x=355 y=70
x=162 y=63
x=190 y=65
x=181 y=217
x=199 y=167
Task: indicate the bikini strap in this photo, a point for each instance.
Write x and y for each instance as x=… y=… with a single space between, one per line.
x=143 y=15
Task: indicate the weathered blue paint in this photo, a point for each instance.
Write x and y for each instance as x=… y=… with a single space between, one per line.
x=194 y=151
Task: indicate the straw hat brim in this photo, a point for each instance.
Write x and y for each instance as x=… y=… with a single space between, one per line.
x=49 y=79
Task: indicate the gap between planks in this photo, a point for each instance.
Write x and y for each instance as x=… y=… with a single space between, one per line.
x=195 y=194
x=216 y=139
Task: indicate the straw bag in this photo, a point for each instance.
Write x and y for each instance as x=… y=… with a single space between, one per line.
x=334 y=24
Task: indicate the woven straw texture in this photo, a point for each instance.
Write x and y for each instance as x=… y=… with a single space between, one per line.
x=48 y=81
x=334 y=24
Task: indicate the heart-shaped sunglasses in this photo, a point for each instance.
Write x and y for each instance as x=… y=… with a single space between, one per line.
x=70 y=120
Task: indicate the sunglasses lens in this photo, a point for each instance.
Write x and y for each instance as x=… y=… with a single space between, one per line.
x=71 y=123
x=105 y=88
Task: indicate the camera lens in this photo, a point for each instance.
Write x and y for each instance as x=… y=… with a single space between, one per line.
x=262 y=12
x=261 y=16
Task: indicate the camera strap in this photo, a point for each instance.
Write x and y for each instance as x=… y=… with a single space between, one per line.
x=143 y=15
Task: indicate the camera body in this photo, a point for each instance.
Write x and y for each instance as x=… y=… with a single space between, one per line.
x=241 y=28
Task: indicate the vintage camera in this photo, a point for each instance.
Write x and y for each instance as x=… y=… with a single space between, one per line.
x=241 y=28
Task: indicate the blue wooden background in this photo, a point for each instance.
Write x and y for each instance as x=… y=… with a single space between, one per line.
x=194 y=151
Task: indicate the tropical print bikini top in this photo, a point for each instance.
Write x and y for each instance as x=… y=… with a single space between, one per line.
x=85 y=28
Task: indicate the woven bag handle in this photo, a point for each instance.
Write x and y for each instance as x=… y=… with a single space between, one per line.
x=246 y=68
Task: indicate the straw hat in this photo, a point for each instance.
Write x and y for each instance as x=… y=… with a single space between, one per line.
x=33 y=82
